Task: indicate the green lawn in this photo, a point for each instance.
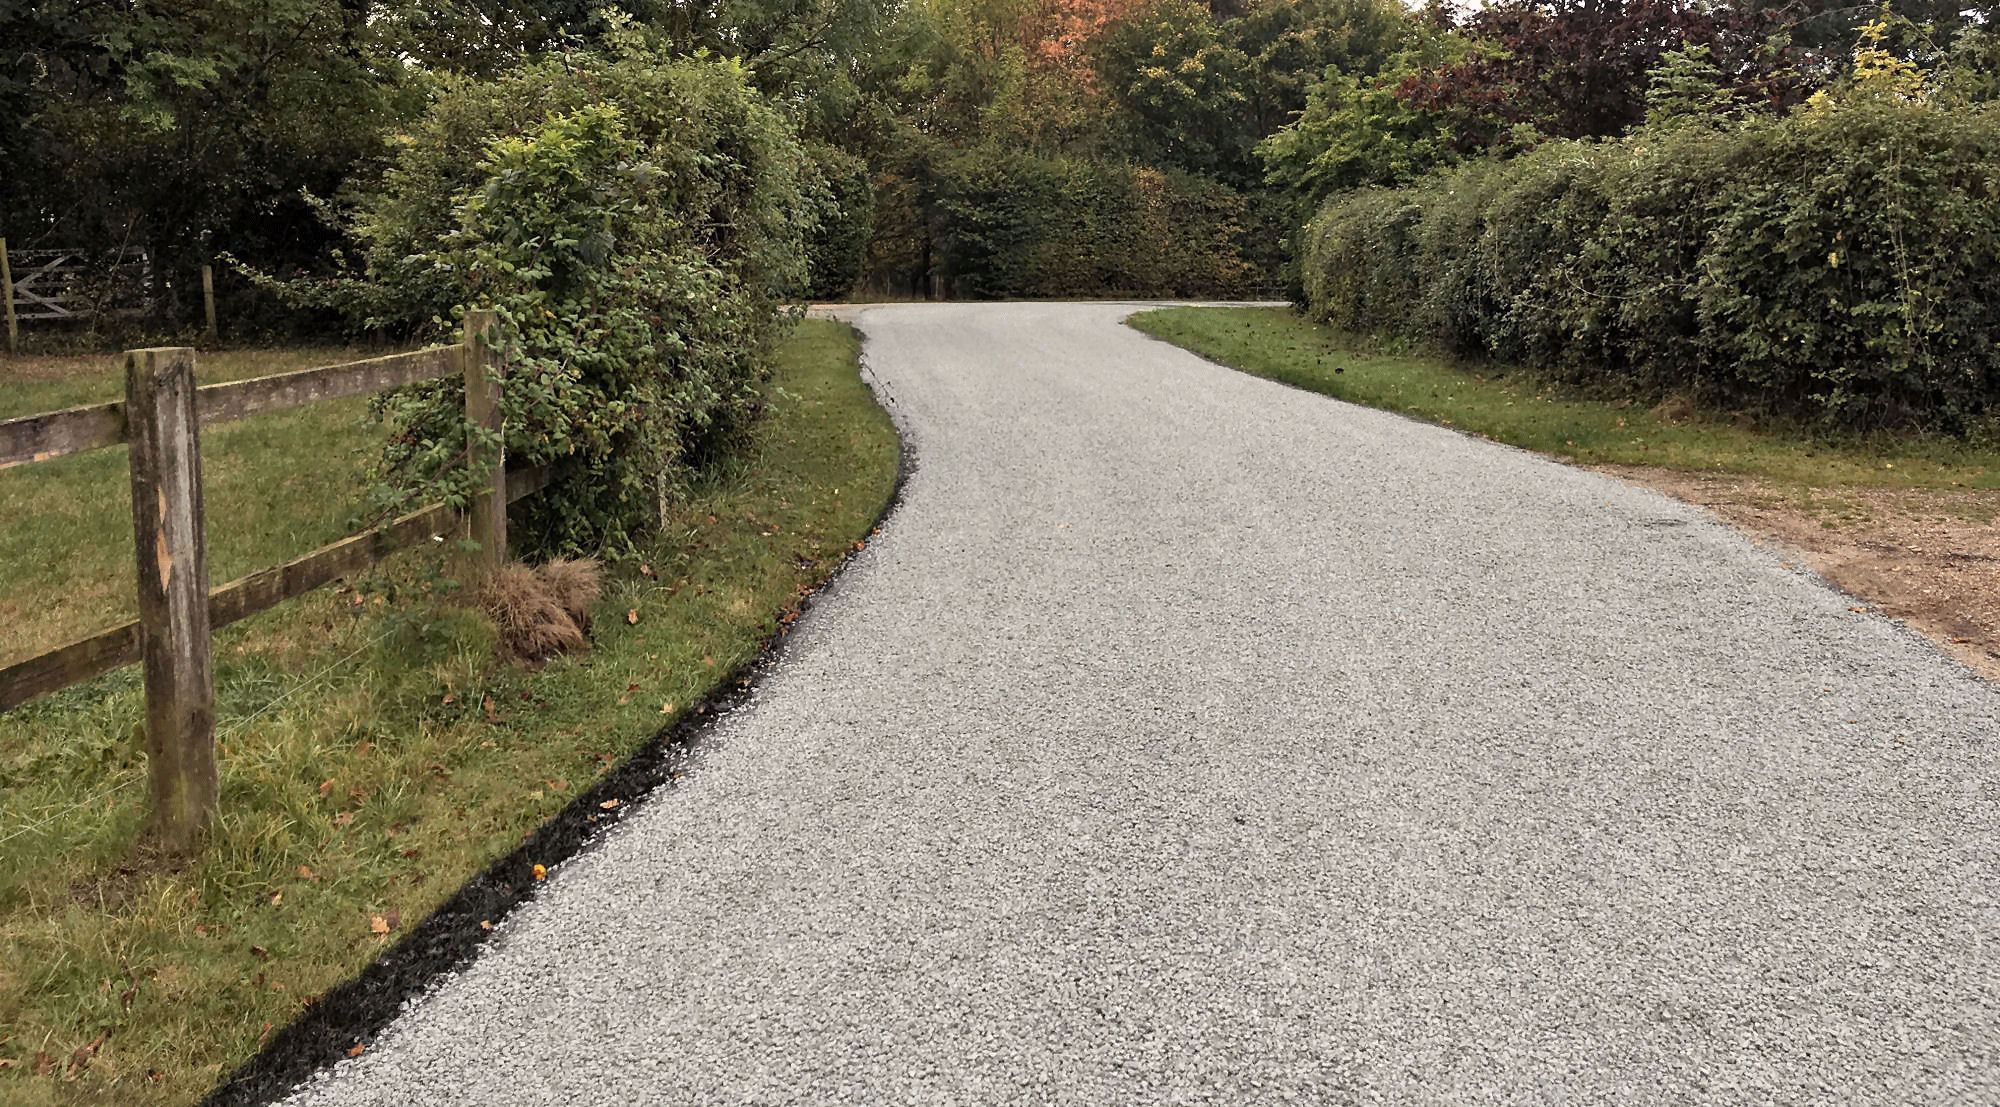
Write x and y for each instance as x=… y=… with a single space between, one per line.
x=374 y=757
x=1279 y=344
x=274 y=487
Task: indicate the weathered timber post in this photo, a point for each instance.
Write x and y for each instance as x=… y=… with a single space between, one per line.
x=7 y=297
x=483 y=368
x=164 y=431
x=208 y=299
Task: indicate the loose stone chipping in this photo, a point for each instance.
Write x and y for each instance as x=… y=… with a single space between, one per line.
x=1186 y=738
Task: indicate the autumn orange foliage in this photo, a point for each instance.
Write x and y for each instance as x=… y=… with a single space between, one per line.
x=1058 y=32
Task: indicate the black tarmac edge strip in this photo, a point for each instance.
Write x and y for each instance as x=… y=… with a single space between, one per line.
x=357 y=1010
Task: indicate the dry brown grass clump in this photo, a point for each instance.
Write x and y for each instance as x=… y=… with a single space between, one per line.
x=541 y=612
x=574 y=585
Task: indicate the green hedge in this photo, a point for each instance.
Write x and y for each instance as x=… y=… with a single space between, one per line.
x=1019 y=225
x=1001 y=223
x=838 y=247
x=1840 y=265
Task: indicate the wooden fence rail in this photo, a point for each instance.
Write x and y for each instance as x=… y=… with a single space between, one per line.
x=161 y=418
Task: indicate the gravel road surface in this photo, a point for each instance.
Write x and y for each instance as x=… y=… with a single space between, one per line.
x=1186 y=738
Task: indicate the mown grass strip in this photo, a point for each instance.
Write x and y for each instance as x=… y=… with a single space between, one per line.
x=1512 y=408
x=374 y=758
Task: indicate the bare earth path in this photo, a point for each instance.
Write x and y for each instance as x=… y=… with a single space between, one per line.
x=1190 y=739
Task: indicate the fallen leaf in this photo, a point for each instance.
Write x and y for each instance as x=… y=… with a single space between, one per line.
x=645 y=570
x=379 y=925
x=343 y=818
x=325 y=787
x=632 y=615
x=358 y=1050
x=305 y=872
x=7 y=1063
x=541 y=872
x=394 y=919
x=260 y=953
x=666 y=709
x=81 y=1057
x=44 y=1064
x=608 y=804
x=558 y=785
x=859 y=546
x=277 y=898
x=485 y=924
x=448 y=697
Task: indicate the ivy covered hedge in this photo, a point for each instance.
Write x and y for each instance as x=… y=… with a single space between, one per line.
x=1839 y=265
x=639 y=222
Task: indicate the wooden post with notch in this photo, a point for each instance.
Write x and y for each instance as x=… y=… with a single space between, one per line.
x=7 y=297
x=167 y=531
x=208 y=299
x=483 y=369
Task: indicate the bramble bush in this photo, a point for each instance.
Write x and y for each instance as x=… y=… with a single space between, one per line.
x=1838 y=265
x=638 y=222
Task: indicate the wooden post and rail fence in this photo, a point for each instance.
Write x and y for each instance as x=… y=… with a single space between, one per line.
x=161 y=418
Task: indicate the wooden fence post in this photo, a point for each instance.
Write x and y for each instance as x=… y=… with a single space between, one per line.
x=483 y=368
x=164 y=431
x=208 y=299
x=7 y=297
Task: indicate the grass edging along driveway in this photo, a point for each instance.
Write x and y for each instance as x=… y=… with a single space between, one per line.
x=1907 y=524
x=379 y=766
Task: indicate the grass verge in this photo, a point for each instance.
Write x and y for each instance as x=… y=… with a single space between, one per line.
x=374 y=758
x=1279 y=344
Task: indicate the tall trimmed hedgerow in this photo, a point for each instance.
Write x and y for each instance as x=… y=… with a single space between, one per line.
x=1840 y=264
x=1018 y=224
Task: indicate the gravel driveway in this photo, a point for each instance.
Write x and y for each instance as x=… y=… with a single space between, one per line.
x=1186 y=738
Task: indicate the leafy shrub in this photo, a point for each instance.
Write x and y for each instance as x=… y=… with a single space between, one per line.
x=637 y=222
x=1840 y=264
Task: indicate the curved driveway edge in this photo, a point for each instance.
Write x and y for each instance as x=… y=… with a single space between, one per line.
x=1189 y=738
